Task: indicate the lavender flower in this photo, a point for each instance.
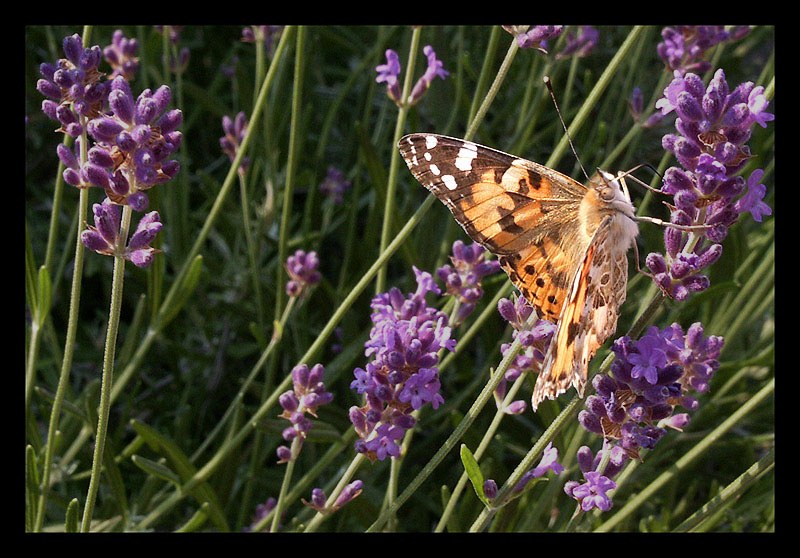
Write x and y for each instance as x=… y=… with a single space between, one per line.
x=685 y=46
x=534 y=340
x=103 y=238
x=262 y=510
x=580 y=44
x=402 y=377
x=121 y=55
x=138 y=138
x=648 y=379
x=306 y=396
x=546 y=463
x=435 y=69
x=388 y=73
x=265 y=33
x=235 y=129
x=535 y=37
x=462 y=279
x=302 y=270
x=594 y=492
x=73 y=86
x=319 y=500
x=334 y=186
x=636 y=104
x=714 y=125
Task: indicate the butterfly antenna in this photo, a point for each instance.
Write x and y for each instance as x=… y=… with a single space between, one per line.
x=569 y=139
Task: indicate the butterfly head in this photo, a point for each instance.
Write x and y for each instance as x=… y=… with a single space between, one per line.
x=613 y=191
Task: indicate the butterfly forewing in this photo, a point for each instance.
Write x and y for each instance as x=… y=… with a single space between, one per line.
x=517 y=209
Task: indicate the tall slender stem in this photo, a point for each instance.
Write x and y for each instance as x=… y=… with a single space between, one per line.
x=108 y=370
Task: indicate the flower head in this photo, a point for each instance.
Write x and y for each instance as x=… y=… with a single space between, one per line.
x=402 y=377
x=302 y=270
x=138 y=138
x=581 y=43
x=435 y=69
x=73 y=86
x=103 y=236
x=713 y=127
x=536 y=36
x=388 y=73
x=648 y=379
x=462 y=279
x=334 y=186
x=235 y=129
x=121 y=54
x=308 y=393
x=684 y=46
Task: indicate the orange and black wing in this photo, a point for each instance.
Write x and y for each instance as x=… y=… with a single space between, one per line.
x=523 y=212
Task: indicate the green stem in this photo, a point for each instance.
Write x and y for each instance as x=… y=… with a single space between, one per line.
x=287 y=479
x=72 y=320
x=251 y=251
x=729 y=494
x=291 y=164
x=394 y=165
x=108 y=369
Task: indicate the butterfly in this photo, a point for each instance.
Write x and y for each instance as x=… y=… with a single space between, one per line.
x=564 y=245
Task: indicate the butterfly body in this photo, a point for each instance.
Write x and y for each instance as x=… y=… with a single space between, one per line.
x=563 y=244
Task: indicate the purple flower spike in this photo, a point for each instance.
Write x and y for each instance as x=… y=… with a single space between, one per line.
x=404 y=345
x=334 y=185
x=388 y=73
x=435 y=69
x=302 y=270
x=713 y=125
x=121 y=54
x=235 y=130
x=307 y=395
x=462 y=279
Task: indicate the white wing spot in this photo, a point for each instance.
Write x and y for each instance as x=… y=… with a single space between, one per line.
x=465 y=156
x=430 y=142
x=427 y=156
x=449 y=181
x=435 y=170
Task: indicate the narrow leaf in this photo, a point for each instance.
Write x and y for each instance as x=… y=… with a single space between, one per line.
x=474 y=473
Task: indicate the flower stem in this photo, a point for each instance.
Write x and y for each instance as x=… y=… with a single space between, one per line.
x=394 y=165
x=72 y=326
x=108 y=370
x=291 y=165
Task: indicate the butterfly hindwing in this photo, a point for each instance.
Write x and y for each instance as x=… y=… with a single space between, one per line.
x=587 y=319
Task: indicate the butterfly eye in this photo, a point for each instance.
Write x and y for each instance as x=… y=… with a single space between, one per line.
x=606 y=193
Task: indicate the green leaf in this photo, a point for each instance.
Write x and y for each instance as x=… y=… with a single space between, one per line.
x=71 y=521
x=184 y=468
x=196 y=521
x=43 y=295
x=155 y=469
x=473 y=472
x=31 y=486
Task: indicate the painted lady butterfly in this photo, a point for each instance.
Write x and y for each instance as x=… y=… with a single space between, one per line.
x=564 y=245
